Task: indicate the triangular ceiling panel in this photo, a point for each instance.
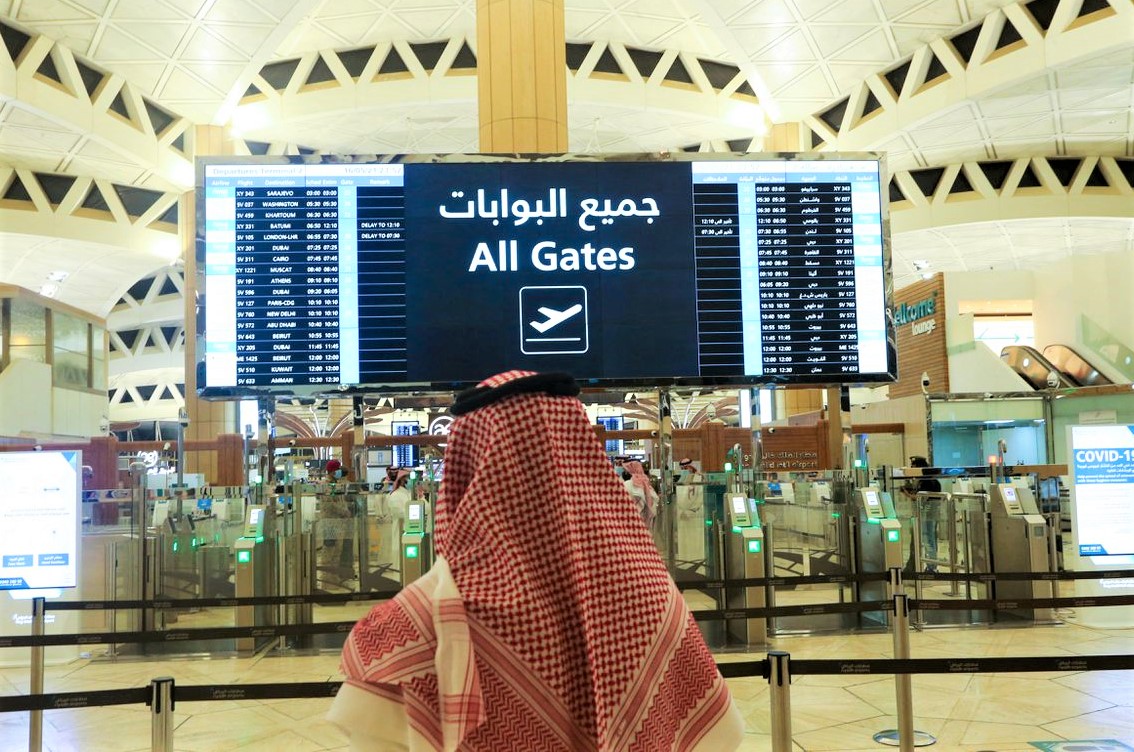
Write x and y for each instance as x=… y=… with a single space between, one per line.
x=756 y=38
x=203 y=46
x=848 y=75
x=874 y=47
x=832 y=38
x=777 y=75
x=766 y=12
x=116 y=45
x=239 y=12
x=129 y=10
x=162 y=35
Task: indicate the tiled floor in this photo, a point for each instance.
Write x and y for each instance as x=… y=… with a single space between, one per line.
x=1001 y=712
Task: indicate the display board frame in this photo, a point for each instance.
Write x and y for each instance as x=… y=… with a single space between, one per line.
x=369 y=386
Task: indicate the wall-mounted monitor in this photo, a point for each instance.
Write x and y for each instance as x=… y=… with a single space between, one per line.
x=424 y=272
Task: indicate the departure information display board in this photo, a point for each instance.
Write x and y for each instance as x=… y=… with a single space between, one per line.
x=318 y=276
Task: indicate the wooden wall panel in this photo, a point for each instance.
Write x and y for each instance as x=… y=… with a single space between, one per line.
x=796 y=448
x=918 y=353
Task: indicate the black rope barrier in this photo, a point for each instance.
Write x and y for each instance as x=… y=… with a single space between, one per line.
x=253 y=600
x=935 y=604
x=177 y=635
x=65 y=700
x=811 y=609
x=962 y=665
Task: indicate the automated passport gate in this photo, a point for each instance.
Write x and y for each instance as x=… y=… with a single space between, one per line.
x=877 y=548
x=416 y=552
x=255 y=573
x=744 y=558
x=1019 y=544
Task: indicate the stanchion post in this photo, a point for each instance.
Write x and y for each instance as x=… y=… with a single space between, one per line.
x=904 y=737
x=902 y=682
x=35 y=722
x=161 y=714
x=779 y=684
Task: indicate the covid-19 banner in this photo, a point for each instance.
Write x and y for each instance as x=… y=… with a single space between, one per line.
x=1102 y=461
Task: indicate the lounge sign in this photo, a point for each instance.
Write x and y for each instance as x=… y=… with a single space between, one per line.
x=913 y=315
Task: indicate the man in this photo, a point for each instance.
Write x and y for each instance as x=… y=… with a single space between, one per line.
x=929 y=511
x=548 y=621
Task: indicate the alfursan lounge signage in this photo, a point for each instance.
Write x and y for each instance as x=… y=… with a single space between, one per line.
x=912 y=314
x=906 y=313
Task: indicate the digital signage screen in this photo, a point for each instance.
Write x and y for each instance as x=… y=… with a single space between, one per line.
x=349 y=273
x=39 y=519
x=1102 y=491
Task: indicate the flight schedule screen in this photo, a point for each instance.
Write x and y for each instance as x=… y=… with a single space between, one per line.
x=317 y=276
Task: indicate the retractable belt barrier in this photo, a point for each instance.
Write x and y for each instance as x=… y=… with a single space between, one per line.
x=176 y=635
x=252 y=600
x=729 y=670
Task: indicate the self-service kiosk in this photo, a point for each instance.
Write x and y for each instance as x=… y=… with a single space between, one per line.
x=878 y=546
x=416 y=552
x=1019 y=544
x=254 y=572
x=744 y=558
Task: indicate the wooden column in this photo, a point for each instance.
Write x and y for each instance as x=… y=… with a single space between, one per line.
x=207 y=420
x=102 y=457
x=522 y=76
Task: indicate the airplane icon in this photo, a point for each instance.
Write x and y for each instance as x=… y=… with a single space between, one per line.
x=554 y=317
x=554 y=320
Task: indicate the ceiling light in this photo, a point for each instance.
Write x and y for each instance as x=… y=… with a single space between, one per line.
x=927 y=275
x=58 y=276
x=49 y=289
x=920 y=265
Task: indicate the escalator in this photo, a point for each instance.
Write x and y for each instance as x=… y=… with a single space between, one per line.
x=1034 y=368
x=1075 y=366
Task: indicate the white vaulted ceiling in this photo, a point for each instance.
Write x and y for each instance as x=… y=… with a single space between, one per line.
x=1018 y=88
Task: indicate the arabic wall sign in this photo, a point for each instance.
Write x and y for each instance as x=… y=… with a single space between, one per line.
x=356 y=273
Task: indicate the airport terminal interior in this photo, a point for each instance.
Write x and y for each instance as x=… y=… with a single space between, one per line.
x=847 y=280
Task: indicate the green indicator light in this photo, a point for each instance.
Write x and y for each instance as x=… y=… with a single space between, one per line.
x=736 y=528
x=892 y=536
x=754 y=546
x=708 y=523
x=260 y=539
x=243 y=557
x=858 y=463
x=874 y=521
x=728 y=467
x=835 y=515
x=175 y=546
x=411 y=552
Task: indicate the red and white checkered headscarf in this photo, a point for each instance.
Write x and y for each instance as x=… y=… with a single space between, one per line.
x=564 y=630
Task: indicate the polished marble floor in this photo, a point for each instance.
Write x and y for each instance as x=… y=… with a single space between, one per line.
x=1001 y=712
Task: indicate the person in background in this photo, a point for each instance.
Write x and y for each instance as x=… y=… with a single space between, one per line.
x=393 y=512
x=548 y=620
x=929 y=511
x=640 y=490
x=690 y=517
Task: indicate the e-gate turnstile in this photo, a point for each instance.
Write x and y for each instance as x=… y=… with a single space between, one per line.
x=256 y=573
x=1019 y=544
x=416 y=552
x=877 y=548
x=744 y=558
